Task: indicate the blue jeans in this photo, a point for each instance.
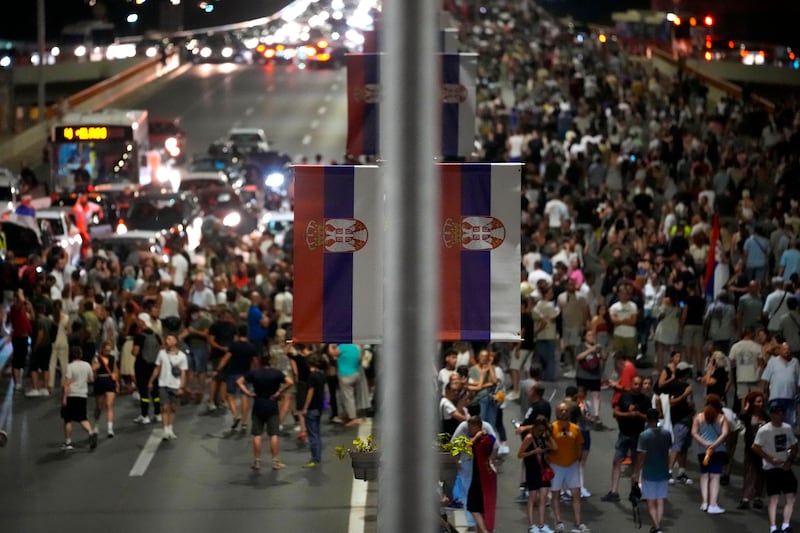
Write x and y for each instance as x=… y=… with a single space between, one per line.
x=488 y=409
x=461 y=485
x=546 y=350
x=313 y=417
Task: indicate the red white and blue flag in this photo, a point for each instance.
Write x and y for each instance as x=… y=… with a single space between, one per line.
x=711 y=261
x=457 y=93
x=338 y=254
x=363 y=104
x=480 y=252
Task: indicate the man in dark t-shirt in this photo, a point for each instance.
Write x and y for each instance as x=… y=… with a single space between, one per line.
x=237 y=362
x=312 y=405
x=268 y=385
x=220 y=336
x=681 y=411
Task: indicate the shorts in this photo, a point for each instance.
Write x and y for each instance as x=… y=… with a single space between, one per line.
x=587 y=439
x=519 y=363
x=198 y=360
x=624 y=446
x=624 y=346
x=567 y=477
x=681 y=437
x=654 y=490
x=168 y=395
x=571 y=336
x=692 y=336
x=104 y=384
x=591 y=385
x=779 y=481
x=270 y=422
x=742 y=389
x=19 y=355
x=716 y=463
x=233 y=388
x=40 y=358
x=74 y=410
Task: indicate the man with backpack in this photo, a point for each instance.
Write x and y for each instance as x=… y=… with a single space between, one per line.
x=146 y=347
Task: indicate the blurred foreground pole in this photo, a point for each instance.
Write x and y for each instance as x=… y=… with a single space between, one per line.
x=41 y=99
x=407 y=499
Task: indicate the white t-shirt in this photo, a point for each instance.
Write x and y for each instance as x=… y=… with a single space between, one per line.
x=180 y=268
x=444 y=377
x=776 y=442
x=746 y=354
x=78 y=374
x=169 y=304
x=782 y=377
x=624 y=311
x=556 y=211
x=166 y=362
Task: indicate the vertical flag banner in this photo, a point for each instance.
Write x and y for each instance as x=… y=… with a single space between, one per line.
x=457 y=91
x=480 y=251
x=338 y=250
x=363 y=103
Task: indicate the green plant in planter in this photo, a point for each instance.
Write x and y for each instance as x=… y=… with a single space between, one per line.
x=456 y=446
x=367 y=445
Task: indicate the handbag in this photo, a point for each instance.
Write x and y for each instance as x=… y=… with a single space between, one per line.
x=547 y=471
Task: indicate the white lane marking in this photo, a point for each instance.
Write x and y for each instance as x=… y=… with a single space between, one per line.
x=321 y=110
x=358 y=497
x=147 y=454
x=314 y=124
x=249 y=111
x=307 y=139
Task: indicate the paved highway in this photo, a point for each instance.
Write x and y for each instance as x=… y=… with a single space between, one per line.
x=202 y=482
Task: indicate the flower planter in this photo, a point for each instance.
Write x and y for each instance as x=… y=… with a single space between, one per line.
x=365 y=465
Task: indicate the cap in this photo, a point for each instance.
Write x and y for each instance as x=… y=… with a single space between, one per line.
x=774 y=406
x=683 y=365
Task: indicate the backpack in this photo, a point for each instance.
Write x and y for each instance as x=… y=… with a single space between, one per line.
x=150 y=347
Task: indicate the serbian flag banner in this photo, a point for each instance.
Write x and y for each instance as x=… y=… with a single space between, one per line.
x=711 y=261
x=338 y=254
x=363 y=103
x=480 y=252
x=457 y=93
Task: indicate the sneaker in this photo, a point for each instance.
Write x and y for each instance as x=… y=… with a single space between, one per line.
x=310 y=464
x=244 y=427
x=296 y=428
x=671 y=480
x=715 y=509
x=158 y=418
x=337 y=420
x=110 y=433
x=172 y=435
x=44 y=393
x=210 y=407
x=144 y=420
x=569 y=374
x=545 y=529
x=610 y=497
x=18 y=387
x=93 y=441
x=787 y=529
x=683 y=478
x=135 y=396
x=704 y=507
x=67 y=446
x=512 y=396
x=235 y=424
x=277 y=464
x=503 y=450
x=560 y=528
x=522 y=497
x=534 y=529
x=580 y=528
x=585 y=493
x=33 y=393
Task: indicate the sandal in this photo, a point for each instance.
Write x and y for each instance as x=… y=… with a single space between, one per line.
x=277 y=465
x=256 y=464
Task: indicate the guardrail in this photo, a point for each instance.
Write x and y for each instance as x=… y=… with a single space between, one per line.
x=93 y=98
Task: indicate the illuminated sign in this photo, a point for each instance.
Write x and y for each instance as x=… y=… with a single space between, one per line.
x=92 y=133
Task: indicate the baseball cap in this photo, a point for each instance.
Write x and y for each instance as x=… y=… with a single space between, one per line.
x=683 y=365
x=774 y=405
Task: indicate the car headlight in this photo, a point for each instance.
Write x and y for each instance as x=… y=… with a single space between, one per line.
x=274 y=180
x=232 y=219
x=227 y=51
x=205 y=52
x=64 y=243
x=122 y=228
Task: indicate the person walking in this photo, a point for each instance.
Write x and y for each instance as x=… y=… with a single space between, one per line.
x=237 y=362
x=545 y=314
x=146 y=346
x=780 y=379
x=681 y=410
x=313 y=404
x=73 y=400
x=106 y=386
x=537 y=443
x=21 y=328
x=652 y=467
x=710 y=432
x=565 y=461
x=268 y=385
x=42 y=337
x=348 y=365
x=170 y=370
x=753 y=416
x=776 y=445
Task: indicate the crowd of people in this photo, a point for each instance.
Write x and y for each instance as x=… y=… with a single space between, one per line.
x=660 y=249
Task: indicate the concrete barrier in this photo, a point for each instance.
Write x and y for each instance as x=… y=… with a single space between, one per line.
x=93 y=98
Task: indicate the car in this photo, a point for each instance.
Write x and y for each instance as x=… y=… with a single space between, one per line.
x=227 y=206
x=22 y=236
x=248 y=140
x=219 y=48
x=175 y=214
x=101 y=221
x=9 y=190
x=196 y=181
x=140 y=241
x=167 y=136
x=58 y=222
x=269 y=168
x=281 y=225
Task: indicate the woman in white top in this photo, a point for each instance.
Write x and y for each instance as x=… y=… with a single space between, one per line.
x=60 y=354
x=667 y=335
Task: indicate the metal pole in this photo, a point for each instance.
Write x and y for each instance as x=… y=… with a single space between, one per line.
x=407 y=491
x=40 y=37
